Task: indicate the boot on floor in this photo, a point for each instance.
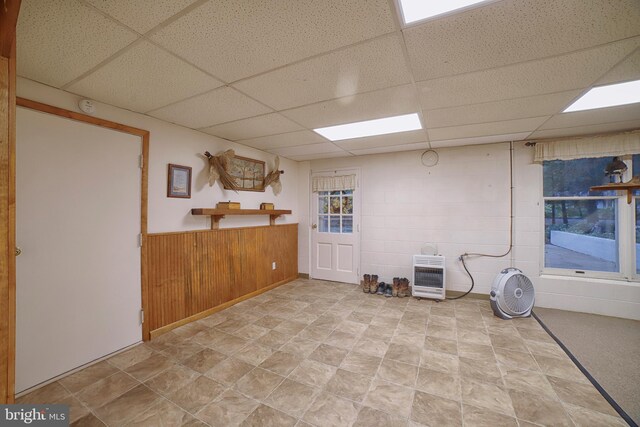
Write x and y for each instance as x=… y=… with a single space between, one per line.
x=373 y=284
x=395 y=286
x=365 y=283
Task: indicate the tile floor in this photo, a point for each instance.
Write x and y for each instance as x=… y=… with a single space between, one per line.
x=326 y=354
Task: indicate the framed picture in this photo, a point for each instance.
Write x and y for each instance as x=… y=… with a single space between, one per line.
x=179 y=181
x=248 y=173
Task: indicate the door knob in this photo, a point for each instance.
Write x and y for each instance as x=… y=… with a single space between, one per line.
x=18 y=251
x=314 y=226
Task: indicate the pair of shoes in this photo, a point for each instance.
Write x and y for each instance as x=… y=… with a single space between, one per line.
x=403 y=287
x=382 y=287
x=365 y=283
x=388 y=292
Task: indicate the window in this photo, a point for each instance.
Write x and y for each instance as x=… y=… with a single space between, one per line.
x=586 y=232
x=335 y=211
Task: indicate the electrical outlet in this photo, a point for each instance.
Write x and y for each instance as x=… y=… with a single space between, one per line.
x=273 y=265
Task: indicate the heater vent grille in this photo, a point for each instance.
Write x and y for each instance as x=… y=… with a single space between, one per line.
x=428 y=276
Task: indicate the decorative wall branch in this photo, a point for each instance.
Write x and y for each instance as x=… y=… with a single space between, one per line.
x=218 y=169
x=273 y=178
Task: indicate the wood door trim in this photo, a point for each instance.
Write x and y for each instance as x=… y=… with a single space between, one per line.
x=145 y=137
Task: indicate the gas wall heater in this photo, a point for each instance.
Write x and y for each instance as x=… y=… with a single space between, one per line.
x=428 y=277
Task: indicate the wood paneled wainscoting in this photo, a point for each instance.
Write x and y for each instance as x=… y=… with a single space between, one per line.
x=195 y=273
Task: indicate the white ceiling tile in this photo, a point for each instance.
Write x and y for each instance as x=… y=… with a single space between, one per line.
x=628 y=70
x=291 y=139
x=395 y=148
x=480 y=140
x=299 y=150
x=487 y=129
x=304 y=157
x=364 y=67
x=591 y=117
x=562 y=73
x=253 y=127
x=143 y=78
x=389 y=102
x=511 y=31
x=587 y=130
x=532 y=106
x=221 y=105
x=234 y=39
x=141 y=15
x=401 y=138
x=59 y=40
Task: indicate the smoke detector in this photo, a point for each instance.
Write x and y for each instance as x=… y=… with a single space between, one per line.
x=87 y=106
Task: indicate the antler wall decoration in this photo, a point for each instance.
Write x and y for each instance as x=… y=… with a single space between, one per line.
x=218 y=169
x=273 y=178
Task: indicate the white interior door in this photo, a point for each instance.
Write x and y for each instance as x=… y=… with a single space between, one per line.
x=78 y=294
x=335 y=237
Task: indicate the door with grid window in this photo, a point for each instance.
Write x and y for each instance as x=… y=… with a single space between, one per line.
x=335 y=237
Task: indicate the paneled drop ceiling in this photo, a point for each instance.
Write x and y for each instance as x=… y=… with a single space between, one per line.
x=265 y=73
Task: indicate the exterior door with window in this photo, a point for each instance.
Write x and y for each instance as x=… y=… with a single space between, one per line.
x=335 y=237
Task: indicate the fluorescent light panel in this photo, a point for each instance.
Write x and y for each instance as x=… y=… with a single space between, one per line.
x=607 y=96
x=384 y=126
x=416 y=10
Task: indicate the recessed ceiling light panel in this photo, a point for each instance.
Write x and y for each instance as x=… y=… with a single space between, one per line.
x=384 y=126
x=607 y=96
x=417 y=10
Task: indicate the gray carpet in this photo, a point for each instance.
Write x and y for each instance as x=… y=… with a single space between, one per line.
x=608 y=347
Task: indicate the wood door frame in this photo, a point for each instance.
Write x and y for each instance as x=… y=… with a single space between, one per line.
x=313 y=214
x=8 y=20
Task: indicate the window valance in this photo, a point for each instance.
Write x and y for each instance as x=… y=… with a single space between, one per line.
x=333 y=183
x=594 y=146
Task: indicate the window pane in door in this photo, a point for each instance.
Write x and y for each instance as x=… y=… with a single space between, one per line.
x=335 y=205
x=347 y=224
x=581 y=235
x=334 y=222
x=323 y=205
x=347 y=205
x=323 y=223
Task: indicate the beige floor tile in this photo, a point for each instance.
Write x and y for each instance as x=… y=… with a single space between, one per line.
x=190 y=329
x=445 y=321
x=486 y=396
x=475 y=351
x=254 y=353
x=474 y=416
x=434 y=410
x=229 y=371
x=364 y=318
x=516 y=359
x=195 y=395
x=313 y=373
x=439 y=383
x=230 y=409
x=172 y=379
x=473 y=336
x=273 y=339
x=106 y=390
x=583 y=417
x=258 y=383
x=327 y=321
x=408 y=337
x=353 y=328
x=182 y=350
x=229 y=344
x=204 y=360
x=404 y=353
x=314 y=333
x=281 y=363
x=301 y=347
x=371 y=346
x=88 y=420
x=330 y=410
x=368 y=417
x=230 y=326
x=251 y=332
x=329 y=355
x=163 y=413
x=341 y=340
x=441 y=345
x=76 y=409
x=561 y=368
x=94 y=373
x=130 y=357
x=208 y=338
x=377 y=333
x=128 y=406
x=528 y=381
x=268 y=321
x=265 y=416
x=390 y=398
x=149 y=367
x=349 y=385
x=398 y=372
x=538 y=348
x=292 y=397
x=533 y=408
x=442 y=362
x=536 y=335
x=446 y=332
x=443 y=310
x=164 y=341
x=51 y=393
x=480 y=370
x=361 y=363
x=290 y=327
x=580 y=394
x=509 y=342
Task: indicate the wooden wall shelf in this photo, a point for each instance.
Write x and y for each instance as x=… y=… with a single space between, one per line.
x=217 y=214
x=633 y=184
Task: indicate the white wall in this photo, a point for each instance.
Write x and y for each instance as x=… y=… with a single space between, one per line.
x=176 y=144
x=462 y=205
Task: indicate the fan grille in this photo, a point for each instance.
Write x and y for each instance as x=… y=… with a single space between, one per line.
x=518 y=293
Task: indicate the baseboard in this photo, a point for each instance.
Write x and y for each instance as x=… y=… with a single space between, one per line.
x=163 y=330
x=453 y=294
x=303 y=276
